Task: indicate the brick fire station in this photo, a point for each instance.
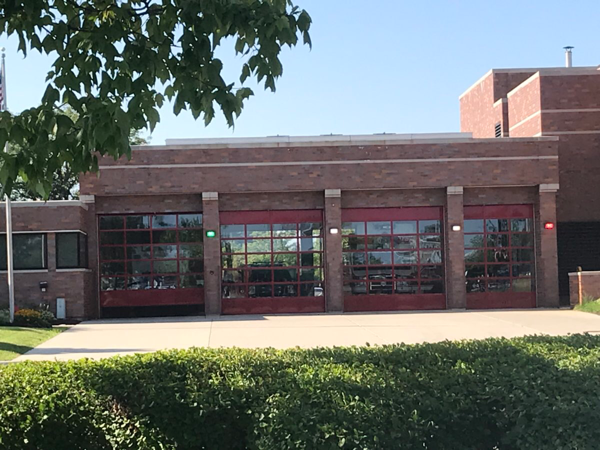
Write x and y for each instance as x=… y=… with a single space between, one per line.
x=335 y=223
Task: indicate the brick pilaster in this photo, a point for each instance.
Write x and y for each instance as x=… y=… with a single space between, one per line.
x=456 y=296
x=91 y=304
x=212 y=254
x=333 y=251
x=546 y=249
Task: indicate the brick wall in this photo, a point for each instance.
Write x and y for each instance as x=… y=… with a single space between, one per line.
x=589 y=287
x=74 y=285
x=344 y=167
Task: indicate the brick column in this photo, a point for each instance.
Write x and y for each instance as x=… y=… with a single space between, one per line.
x=546 y=251
x=333 y=251
x=212 y=254
x=91 y=301
x=456 y=295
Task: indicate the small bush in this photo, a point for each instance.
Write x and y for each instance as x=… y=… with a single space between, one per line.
x=46 y=314
x=4 y=317
x=525 y=393
x=31 y=318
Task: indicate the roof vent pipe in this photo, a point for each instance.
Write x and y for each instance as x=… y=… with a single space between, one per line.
x=568 y=56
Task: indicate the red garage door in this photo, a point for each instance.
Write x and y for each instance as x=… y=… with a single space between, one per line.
x=151 y=259
x=393 y=259
x=499 y=256
x=272 y=262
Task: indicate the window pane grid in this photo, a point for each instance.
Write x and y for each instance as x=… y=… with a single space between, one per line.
x=405 y=258
x=272 y=260
x=145 y=251
x=499 y=255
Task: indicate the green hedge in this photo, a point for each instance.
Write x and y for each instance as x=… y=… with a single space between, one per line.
x=527 y=393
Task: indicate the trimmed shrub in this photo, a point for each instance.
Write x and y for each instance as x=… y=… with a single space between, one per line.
x=4 y=317
x=46 y=314
x=31 y=318
x=526 y=393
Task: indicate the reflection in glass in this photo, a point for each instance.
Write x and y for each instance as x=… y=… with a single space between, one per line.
x=405 y=242
x=430 y=241
x=430 y=226
x=258 y=230
x=432 y=271
x=498 y=270
x=474 y=241
x=112 y=238
x=378 y=243
x=258 y=245
x=353 y=243
x=431 y=257
x=167 y=266
x=259 y=259
x=233 y=291
x=523 y=285
x=495 y=225
x=498 y=285
x=406 y=287
x=165 y=282
x=191 y=266
x=159 y=237
x=380 y=257
x=112 y=284
x=379 y=228
x=522 y=240
x=283 y=275
x=233 y=246
x=191 y=236
x=522 y=270
x=406 y=272
x=432 y=286
x=405 y=257
x=311 y=274
x=195 y=251
x=260 y=290
x=310 y=244
x=473 y=226
x=233 y=276
x=138 y=283
x=405 y=227
x=285 y=259
x=111 y=253
x=284 y=229
x=137 y=222
x=165 y=251
x=498 y=255
x=522 y=254
x=112 y=268
x=232 y=231
x=287 y=245
x=497 y=240
x=138 y=267
x=233 y=261
x=164 y=221
x=285 y=290
x=260 y=276
x=349 y=228
x=191 y=281
x=520 y=225
x=310 y=229
x=111 y=223
x=190 y=220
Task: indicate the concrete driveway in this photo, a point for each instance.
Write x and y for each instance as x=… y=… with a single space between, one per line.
x=104 y=338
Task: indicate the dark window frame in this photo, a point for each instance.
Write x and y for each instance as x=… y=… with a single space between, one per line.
x=4 y=262
x=80 y=264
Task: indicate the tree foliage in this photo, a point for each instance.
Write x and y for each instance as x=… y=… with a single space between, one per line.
x=65 y=180
x=116 y=63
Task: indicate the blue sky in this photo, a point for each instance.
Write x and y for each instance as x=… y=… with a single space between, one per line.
x=376 y=66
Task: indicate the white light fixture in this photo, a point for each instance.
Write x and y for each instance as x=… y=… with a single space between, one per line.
x=334 y=230
x=455 y=227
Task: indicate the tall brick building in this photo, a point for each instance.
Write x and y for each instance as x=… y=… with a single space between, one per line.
x=334 y=223
x=561 y=102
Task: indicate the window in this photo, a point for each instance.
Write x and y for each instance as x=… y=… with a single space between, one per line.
x=498 y=130
x=151 y=251
x=71 y=250
x=499 y=254
x=29 y=251
x=392 y=257
x=272 y=259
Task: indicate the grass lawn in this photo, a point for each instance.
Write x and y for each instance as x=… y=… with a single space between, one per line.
x=589 y=306
x=15 y=341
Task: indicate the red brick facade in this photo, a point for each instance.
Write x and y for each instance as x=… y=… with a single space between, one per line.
x=561 y=102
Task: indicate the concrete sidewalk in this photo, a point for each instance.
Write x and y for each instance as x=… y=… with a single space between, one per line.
x=100 y=339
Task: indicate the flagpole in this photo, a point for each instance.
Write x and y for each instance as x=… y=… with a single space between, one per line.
x=9 y=240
